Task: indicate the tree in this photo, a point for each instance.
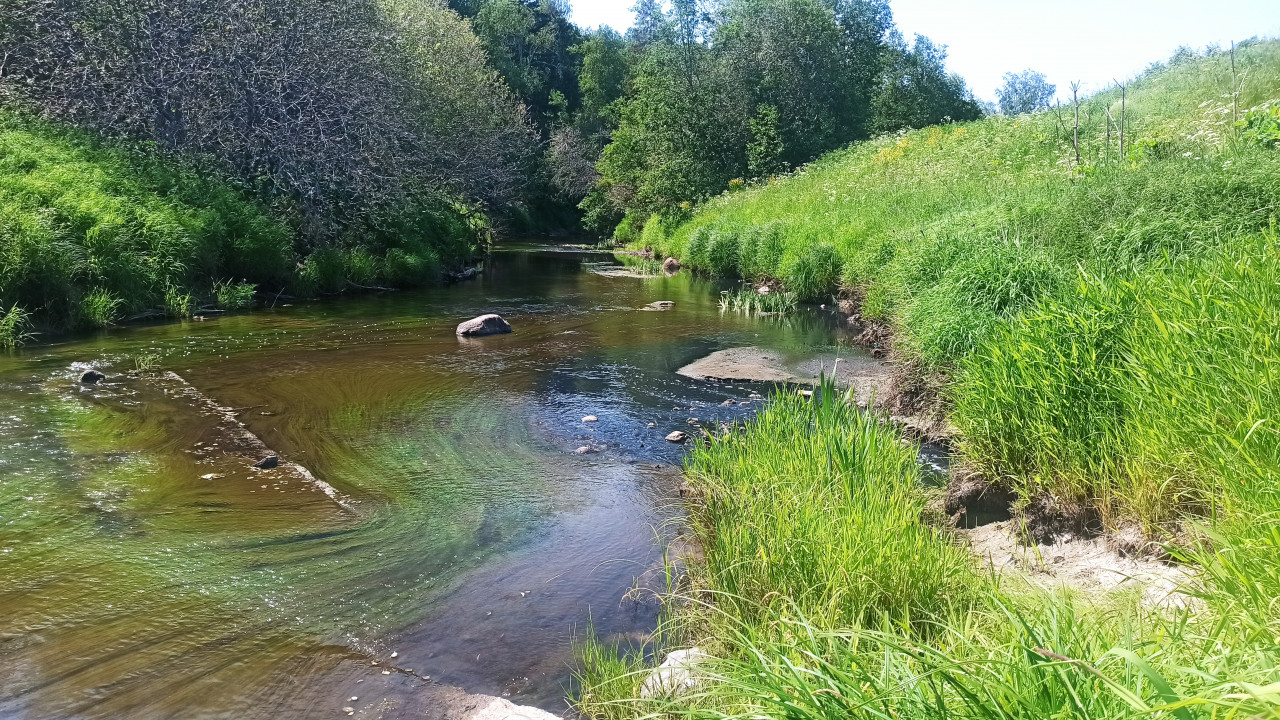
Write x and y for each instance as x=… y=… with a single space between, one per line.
x=345 y=114
x=916 y=90
x=1024 y=92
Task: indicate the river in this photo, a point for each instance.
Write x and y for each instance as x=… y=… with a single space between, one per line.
x=150 y=573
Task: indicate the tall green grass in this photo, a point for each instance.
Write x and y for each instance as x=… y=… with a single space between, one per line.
x=1109 y=331
x=1023 y=276
x=824 y=594
x=92 y=232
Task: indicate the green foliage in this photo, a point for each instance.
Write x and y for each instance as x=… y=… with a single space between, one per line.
x=178 y=304
x=233 y=296
x=813 y=272
x=801 y=508
x=722 y=253
x=764 y=149
x=13 y=327
x=751 y=302
x=1261 y=127
x=99 y=308
x=93 y=230
x=1024 y=92
x=754 y=88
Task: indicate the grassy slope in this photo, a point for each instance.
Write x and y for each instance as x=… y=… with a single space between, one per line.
x=92 y=231
x=1110 y=337
x=994 y=258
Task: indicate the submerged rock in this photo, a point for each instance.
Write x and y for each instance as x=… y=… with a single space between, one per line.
x=590 y=418
x=677 y=437
x=92 y=377
x=268 y=462
x=662 y=304
x=674 y=675
x=490 y=324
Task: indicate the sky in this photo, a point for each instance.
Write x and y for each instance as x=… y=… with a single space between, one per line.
x=1090 y=41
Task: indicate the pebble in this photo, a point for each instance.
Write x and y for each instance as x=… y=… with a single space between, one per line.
x=354 y=698
x=348 y=709
x=583 y=450
x=386 y=672
x=395 y=654
x=653 y=425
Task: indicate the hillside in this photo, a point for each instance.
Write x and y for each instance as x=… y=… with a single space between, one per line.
x=980 y=244
x=1102 y=332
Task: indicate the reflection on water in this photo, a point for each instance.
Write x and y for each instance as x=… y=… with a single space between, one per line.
x=150 y=573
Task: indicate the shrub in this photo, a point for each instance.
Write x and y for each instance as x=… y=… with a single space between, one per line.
x=722 y=253
x=99 y=308
x=13 y=327
x=233 y=296
x=760 y=250
x=814 y=273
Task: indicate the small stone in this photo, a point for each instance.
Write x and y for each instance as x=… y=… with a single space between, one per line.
x=268 y=462
x=726 y=403
x=348 y=709
x=677 y=437
x=653 y=425
x=354 y=698
x=744 y=402
x=662 y=304
x=582 y=450
x=395 y=654
x=590 y=418
x=386 y=672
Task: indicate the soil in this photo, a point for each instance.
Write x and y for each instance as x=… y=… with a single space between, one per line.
x=1090 y=565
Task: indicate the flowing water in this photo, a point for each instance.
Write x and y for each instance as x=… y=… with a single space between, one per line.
x=149 y=572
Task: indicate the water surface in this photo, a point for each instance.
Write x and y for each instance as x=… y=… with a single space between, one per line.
x=149 y=574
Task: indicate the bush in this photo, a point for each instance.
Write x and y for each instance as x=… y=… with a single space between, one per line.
x=233 y=296
x=99 y=308
x=722 y=253
x=814 y=274
x=403 y=268
x=13 y=326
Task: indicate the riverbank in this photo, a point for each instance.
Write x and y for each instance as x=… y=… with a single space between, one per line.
x=1098 y=324
x=1060 y=302
x=832 y=588
x=97 y=233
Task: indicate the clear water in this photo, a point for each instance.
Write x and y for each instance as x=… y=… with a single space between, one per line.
x=146 y=575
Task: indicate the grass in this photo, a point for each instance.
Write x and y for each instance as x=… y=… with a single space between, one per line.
x=1006 y=267
x=751 y=302
x=94 y=232
x=1106 y=333
x=824 y=594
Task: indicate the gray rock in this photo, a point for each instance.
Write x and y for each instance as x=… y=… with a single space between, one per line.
x=268 y=462
x=490 y=324
x=671 y=266
x=677 y=437
x=674 y=676
x=662 y=304
x=583 y=450
x=92 y=377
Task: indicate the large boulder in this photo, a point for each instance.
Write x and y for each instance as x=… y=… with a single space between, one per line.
x=490 y=324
